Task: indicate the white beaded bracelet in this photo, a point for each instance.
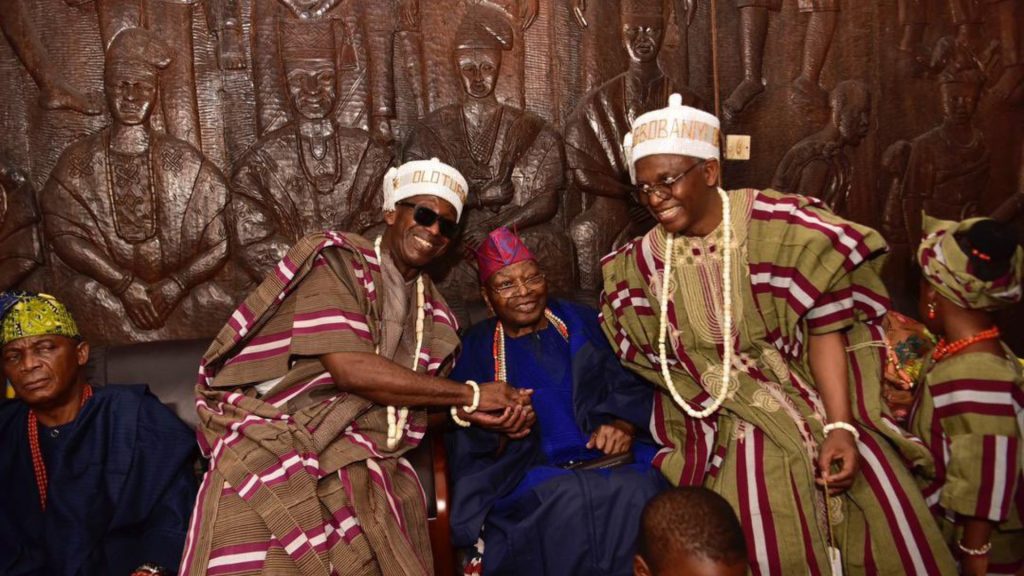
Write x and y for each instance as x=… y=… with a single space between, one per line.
x=841 y=426
x=974 y=551
x=467 y=409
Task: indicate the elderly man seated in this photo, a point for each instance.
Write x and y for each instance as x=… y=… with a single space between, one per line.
x=562 y=489
x=95 y=481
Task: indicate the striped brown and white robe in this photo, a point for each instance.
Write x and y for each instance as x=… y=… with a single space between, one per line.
x=301 y=480
x=798 y=270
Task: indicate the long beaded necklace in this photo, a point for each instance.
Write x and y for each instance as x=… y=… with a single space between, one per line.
x=726 y=325
x=500 y=366
x=944 y=350
x=396 y=423
x=38 y=464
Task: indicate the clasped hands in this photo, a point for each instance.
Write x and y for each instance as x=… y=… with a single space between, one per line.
x=504 y=409
x=509 y=410
x=149 y=305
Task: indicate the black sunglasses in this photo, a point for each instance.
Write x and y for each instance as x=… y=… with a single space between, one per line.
x=426 y=217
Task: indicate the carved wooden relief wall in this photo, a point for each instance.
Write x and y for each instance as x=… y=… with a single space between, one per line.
x=160 y=155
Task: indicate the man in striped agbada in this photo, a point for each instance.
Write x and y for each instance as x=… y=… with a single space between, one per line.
x=787 y=297
x=314 y=390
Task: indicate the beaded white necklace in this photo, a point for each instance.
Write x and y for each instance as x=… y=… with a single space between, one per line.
x=500 y=368
x=396 y=424
x=726 y=325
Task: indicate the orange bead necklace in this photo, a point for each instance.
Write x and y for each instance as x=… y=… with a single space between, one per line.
x=38 y=464
x=944 y=350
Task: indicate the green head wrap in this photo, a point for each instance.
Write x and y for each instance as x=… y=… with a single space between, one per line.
x=24 y=314
x=948 y=269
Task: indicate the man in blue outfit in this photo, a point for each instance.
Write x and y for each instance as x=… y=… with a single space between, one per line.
x=563 y=496
x=95 y=481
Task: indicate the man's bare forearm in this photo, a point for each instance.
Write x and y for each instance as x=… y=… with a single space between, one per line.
x=385 y=382
x=829 y=368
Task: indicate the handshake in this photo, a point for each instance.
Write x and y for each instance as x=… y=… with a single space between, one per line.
x=504 y=409
x=509 y=410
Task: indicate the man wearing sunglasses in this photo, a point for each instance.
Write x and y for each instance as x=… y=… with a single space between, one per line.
x=562 y=489
x=757 y=314
x=317 y=387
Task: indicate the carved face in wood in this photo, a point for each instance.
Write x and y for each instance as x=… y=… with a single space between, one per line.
x=131 y=92
x=959 y=101
x=478 y=70
x=853 y=116
x=642 y=36
x=313 y=88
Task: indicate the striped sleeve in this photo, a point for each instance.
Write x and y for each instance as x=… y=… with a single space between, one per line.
x=806 y=257
x=330 y=313
x=834 y=310
x=977 y=407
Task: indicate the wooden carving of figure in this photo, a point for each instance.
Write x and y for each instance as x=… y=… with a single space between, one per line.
x=818 y=165
x=948 y=170
x=137 y=214
x=54 y=92
x=224 y=20
x=378 y=22
x=513 y=160
x=754 y=31
x=967 y=17
x=171 y=21
x=309 y=175
x=21 y=249
x=594 y=133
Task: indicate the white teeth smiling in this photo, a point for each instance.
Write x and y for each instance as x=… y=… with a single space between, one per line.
x=666 y=214
x=423 y=243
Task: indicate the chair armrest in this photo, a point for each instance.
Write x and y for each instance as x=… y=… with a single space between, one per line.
x=440 y=526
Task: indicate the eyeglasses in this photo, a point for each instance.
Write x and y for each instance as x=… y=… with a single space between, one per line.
x=510 y=287
x=663 y=189
x=426 y=217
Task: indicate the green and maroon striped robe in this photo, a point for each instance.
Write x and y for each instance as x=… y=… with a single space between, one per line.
x=798 y=270
x=969 y=413
x=301 y=480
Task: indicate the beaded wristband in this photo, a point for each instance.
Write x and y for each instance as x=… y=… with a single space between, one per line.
x=975 y=551
x=841 y=426
x=467 y=409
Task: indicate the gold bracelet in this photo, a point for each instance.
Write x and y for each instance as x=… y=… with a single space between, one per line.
x=974 y=551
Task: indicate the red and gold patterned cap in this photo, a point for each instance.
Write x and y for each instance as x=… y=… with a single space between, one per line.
x=501 y=249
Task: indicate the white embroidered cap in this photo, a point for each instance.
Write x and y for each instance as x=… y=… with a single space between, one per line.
x=431 y=177
x=676 y=129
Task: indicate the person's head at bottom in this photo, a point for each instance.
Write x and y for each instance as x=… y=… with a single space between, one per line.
x=690 y=531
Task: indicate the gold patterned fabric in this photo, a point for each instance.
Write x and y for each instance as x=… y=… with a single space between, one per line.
x=25 y=314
